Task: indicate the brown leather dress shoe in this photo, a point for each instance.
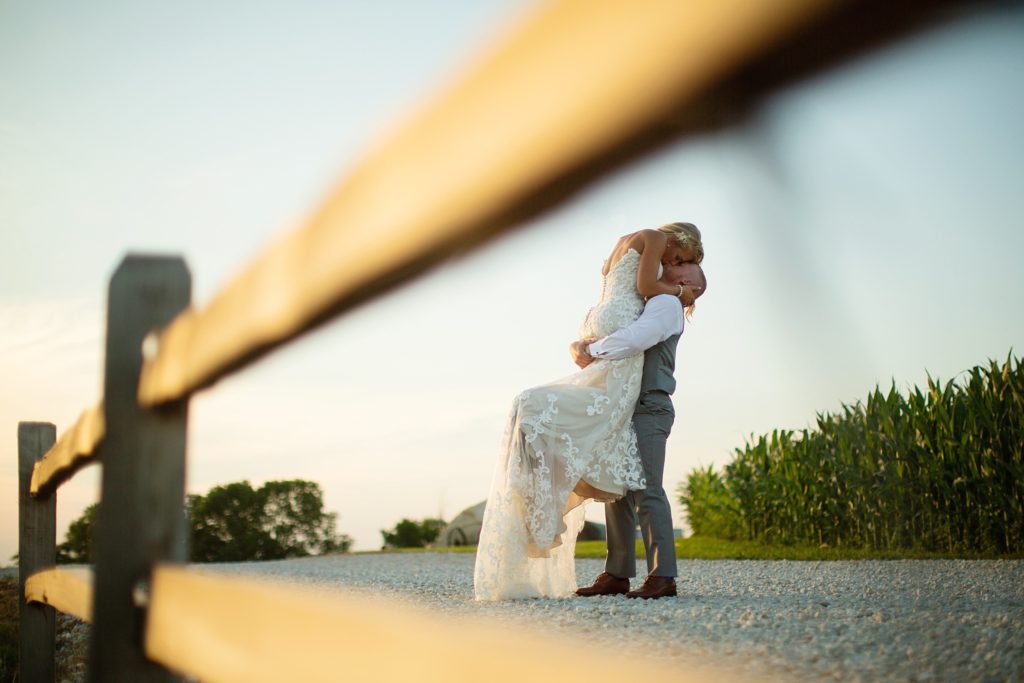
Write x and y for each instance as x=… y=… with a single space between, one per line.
x=605 y=584
x=655 y=587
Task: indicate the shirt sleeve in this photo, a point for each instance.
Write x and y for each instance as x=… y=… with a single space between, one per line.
x=662 y=317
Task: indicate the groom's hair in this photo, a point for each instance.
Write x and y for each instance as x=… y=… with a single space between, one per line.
x=700 y=272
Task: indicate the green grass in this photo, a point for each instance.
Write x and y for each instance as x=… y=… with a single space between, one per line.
x=703 y=548
x=449 y=549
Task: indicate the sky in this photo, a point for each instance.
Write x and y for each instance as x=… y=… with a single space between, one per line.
x=862 y=228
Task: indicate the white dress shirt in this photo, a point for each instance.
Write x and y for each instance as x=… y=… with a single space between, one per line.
x=662 y=317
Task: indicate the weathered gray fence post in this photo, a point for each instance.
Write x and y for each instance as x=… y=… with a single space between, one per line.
x=37 y=549
x=141 y=517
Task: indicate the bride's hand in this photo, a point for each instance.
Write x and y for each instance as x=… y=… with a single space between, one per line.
x=688 y=294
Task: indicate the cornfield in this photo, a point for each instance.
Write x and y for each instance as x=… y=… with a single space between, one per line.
x=940 y=470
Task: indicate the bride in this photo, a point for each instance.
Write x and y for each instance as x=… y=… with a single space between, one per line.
x=572 y=441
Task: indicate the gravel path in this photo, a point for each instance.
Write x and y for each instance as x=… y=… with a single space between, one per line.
x=913 y=620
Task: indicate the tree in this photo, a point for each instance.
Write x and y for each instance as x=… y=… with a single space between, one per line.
x=280 y=519
x=237 y=523
x=295 y=512
x=78 y=545
x=412 y=534
x=228 y=525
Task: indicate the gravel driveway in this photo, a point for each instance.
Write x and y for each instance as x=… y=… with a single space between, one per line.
x=909 y=620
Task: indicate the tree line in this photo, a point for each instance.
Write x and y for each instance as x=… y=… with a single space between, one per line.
x=236 y=523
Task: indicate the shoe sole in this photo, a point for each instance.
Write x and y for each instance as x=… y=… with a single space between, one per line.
x=652 y=597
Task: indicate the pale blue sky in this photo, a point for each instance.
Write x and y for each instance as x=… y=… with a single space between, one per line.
x=861 y=228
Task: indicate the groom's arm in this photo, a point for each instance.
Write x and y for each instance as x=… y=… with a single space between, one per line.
x=662 y=317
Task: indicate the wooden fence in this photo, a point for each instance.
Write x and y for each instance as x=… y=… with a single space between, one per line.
x=578 y=88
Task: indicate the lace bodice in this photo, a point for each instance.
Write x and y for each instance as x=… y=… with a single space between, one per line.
x=620 y=303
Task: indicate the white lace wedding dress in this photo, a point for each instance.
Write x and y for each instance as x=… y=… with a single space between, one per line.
x=565 y=443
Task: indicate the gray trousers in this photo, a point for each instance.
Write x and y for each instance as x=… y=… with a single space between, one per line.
x=653 y=422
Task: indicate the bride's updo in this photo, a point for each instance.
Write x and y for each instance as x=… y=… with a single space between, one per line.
x=686 y=235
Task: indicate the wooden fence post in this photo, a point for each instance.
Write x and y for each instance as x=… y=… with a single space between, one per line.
x=141 y=517
x=37 y=548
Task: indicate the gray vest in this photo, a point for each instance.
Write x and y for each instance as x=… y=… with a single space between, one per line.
x=659 y=367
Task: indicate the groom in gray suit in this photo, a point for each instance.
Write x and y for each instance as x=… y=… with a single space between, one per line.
x=655 y=333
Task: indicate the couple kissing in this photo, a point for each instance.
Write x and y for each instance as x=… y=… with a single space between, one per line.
x=597 y=435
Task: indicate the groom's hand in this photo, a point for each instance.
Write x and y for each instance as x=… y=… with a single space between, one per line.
x=579 y=352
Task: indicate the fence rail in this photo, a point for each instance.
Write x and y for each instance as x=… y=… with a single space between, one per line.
x=208 y=625
x=68 y=590
x=478 y=158
x=482 y=156
x=75 y=449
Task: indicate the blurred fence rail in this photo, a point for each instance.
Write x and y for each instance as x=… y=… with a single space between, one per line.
x=575 y=80
x=574 y=90
x=75 y=449
x=69 y=590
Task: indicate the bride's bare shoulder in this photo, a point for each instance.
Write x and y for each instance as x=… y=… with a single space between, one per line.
x=637 y=241
x=642 y=238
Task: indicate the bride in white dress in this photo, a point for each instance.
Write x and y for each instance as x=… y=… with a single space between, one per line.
x=572 y=441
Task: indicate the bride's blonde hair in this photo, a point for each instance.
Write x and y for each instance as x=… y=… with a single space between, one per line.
x=686 y=235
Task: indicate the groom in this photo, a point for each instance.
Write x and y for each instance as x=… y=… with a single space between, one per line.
x=655 y=333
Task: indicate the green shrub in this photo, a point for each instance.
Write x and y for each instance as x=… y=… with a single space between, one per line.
x=409 y=533
x=713 y=511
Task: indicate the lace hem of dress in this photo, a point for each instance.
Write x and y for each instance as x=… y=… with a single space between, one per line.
x=557 y=457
